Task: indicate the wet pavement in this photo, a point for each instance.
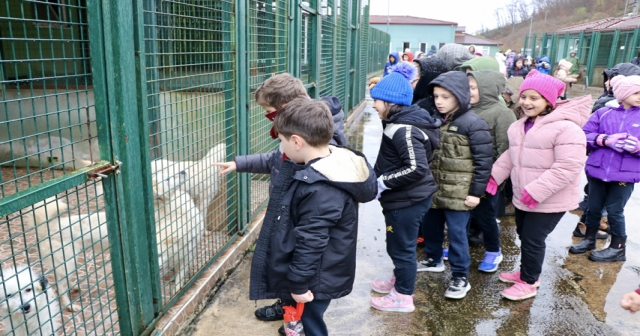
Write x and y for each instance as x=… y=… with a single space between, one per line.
x=576 y=297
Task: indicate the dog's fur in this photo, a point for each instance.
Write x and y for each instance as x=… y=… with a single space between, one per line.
x=24 y=295
x=203 y=182
x=59 y=238
x=49 y=152
x=179 y=224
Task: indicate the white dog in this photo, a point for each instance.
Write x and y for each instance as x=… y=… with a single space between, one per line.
x=26 y=304
x=203 y=182
x=59 y=238
x=49 y=152
x=178 y=222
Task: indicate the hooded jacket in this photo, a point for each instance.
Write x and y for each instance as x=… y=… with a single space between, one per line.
x=480 y=63
x=623 y=69
x=406 y=151
x=544 y=66
x=310 y=230
x=387 y=67
x=432 y=51
x=339 y=137
x=604 y=163
x=430 y=69
x=547 y=162
x=410 y=55
x=513 y=71
x=454 y=55
x=498 y=116
x=462 y=164
x=269 y=163
x=575 y=63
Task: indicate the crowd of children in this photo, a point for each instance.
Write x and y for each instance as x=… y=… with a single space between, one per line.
x=450 y=150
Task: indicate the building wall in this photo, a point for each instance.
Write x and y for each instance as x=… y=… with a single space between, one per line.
x=416 y=34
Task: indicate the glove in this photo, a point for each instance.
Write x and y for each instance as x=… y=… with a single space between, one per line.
x=492 y=186
x=631 y=144
x=381 y=187
x=612 y=141
x=528 y=200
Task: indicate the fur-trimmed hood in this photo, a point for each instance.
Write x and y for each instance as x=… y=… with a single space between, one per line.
x=345 y=169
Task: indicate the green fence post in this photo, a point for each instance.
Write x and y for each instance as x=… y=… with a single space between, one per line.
x=613 y=50
x=595 y=41
x=240 y=134
x=98 y=62
x=553 y=50
x=526 y=43
x=125 y=88
x=317 y=51
x=634 y=44
x=347 y=73
x=534 y=42
x=580 y=43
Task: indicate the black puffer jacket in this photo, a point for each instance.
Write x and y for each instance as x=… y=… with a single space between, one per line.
x=624 y=69
x=406 y=151
x=515 y=72
x=269 y=163
x=462 y=165
x=310 y=231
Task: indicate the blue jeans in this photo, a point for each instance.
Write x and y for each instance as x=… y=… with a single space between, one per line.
x=610 y=195
x=402 y=240
x=313 y=318
x=484 y=217
x=433 y=234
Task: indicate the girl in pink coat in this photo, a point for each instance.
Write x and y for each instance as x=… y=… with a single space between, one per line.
x=545 y=158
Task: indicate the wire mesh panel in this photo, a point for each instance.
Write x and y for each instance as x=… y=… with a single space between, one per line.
x=191 y=108
x=56 y=273
x=325 y=80
x=364 y=48
x=47 y=115
x=268 y=39
x=604 y=49
x=341 y=51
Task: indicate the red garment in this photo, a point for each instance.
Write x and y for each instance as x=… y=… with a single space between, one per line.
x=410 y=54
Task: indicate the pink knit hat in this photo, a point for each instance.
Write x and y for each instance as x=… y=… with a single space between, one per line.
x=547 y=86
x=625 y=87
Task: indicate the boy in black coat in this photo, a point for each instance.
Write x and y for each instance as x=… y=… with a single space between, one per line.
x=306 y=250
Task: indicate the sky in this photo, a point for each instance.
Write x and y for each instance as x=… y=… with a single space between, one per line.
x=469 y=13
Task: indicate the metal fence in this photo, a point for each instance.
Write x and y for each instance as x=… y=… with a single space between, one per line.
x=597 y=50
x=111 y=113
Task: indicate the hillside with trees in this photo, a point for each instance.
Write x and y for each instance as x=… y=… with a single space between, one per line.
x=515 y=19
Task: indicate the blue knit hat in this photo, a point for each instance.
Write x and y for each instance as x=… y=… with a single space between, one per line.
x=395 y=87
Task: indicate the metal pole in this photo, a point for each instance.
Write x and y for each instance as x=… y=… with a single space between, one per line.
x=545 y=16
x=530 y=27
x=626 y=5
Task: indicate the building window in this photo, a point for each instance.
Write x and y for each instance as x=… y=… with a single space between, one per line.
x=440 y=45
x=485 y=51
x=51 y=13
x=423 y=47
x=406 y=45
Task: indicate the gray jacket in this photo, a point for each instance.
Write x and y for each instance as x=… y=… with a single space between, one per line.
x=270 y=163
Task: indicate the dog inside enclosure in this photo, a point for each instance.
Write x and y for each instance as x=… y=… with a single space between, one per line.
x=28 y=305
x=59 y=238
x=179 y=225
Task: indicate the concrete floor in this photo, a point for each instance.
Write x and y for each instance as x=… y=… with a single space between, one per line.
x=577 y=296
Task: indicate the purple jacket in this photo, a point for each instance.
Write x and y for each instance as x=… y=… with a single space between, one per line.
x=604 y=163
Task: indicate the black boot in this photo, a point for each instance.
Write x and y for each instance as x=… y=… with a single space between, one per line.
x=588 y=243
x=615 y=251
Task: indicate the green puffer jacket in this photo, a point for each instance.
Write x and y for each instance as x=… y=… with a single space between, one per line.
x=499 y=117
x=462 y=164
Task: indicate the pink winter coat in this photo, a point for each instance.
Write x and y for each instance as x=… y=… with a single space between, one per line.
x=548 y=160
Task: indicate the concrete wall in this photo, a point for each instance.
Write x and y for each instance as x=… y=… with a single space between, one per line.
x=416 y=34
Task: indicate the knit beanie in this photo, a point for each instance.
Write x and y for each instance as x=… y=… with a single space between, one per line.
x=395 y=87
x=625 y=87
x=547 y=86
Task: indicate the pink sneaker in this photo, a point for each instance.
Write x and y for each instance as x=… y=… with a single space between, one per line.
x=514 y=277
x=519 y=291
x=394 y=302
x=383 y=286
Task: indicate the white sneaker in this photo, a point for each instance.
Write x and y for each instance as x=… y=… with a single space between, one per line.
x=458 y=288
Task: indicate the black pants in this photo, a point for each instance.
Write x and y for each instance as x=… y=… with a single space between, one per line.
x=402 y=234
x=313 y=318
x=610 y=195
x=533 y=229
x=484 y=217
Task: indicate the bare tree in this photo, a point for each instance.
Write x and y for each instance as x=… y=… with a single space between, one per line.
x=498 y=15
x=523 y=11
x=512 y=14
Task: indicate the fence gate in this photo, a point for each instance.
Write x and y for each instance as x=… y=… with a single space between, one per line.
x=60 y=256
